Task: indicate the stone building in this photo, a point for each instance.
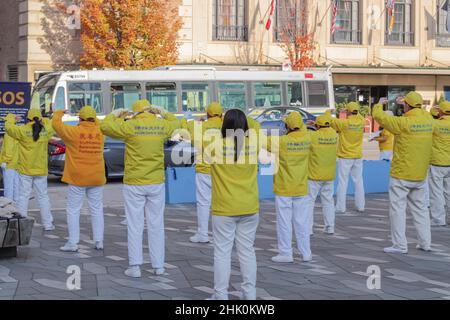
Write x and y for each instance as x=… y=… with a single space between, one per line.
x=370 y=58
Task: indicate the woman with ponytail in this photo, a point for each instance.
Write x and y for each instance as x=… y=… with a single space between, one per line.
x=32 y=165
x=235 y=202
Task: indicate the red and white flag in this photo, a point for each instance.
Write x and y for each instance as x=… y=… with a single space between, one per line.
x=334 y=11
x=272 y=10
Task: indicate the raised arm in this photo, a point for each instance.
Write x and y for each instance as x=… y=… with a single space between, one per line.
x=393 y=124
x=66 y=132
x=113 y=128
x=11 y=128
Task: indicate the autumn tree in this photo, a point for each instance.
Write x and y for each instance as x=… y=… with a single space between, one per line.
x=292 y=29
x=129 y=34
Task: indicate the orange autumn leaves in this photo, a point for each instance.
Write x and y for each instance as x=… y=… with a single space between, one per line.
x=129 y=34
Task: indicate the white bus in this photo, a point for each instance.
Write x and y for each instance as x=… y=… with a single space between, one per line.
x=184 y=90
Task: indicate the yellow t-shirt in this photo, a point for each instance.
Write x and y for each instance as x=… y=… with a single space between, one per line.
x=351 y=133
x=322 y=160
x=440 y=155
x=386 y=143
x=291 y=169
x=235 y=184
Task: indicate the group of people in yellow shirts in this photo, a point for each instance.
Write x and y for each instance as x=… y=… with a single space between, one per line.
x=228 y=145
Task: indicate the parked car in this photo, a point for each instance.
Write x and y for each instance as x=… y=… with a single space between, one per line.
x=272 y=118
x=176 y=154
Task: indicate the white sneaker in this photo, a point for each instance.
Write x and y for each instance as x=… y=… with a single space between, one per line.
x=98 y=245
x=133 y=271
x=159 y=271
x=123 y=222
x=69 y=247
x=199 y=239
x=282 y=259
x=50 y=227
x=328 y=230
x=395 y=250
x=419 y=247
x=307 y=258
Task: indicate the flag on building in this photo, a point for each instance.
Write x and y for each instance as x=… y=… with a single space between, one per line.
x=390 y=6
x=272 y=10
x=334 y=11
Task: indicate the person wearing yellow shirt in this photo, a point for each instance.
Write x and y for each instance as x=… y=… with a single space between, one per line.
x=385 y=142
x=201 y=135
x=32 y=165
x=439 y=177
x=143 y=191
x=350 y=163
x=235 y=203
x=412 y=153
x=9 y=158
x=84 y=171
x=322 y=171
x=435 y=113
x=291 y=188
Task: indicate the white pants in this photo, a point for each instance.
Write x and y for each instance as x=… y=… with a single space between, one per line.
x=203 y=194
x=427 y=188
x=439 y=180
x=11 y=184
x=227 y=231
x=293 y=210
x=142 y=203
x=326 y=190
x=39 y=183
x=353 y=168
x=408 y=195
x=75 y=198
x=386 y=155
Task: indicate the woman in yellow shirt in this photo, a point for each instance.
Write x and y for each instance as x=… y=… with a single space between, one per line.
x=9 y=158
x=32 y=166
x=235 y=203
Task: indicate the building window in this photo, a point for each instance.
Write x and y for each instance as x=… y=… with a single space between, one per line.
x=347 y=28
x=288 y=19
x=447 y=93
x=13 y=73
x=399 y=26
x=443 y=23
x=229 y=18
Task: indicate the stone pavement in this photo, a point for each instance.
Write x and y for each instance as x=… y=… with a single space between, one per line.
x=338 y=269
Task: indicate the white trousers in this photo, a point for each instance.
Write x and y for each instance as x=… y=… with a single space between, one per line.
x=353 y=168
x=11 y=184
x=408 y=195
x=386 y=155
x=326 y=190
x=227 y=231
x=39 y=184
x=293 y=211
x=427 y=188
x=203 y=194
x=142 y=203
x=439 y=180
x=75 y=198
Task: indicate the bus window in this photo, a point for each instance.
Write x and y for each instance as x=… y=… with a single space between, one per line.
x=232 y=95
x=125 y=94
x=317 y=94
x=267 y=94
x=60 y=100
x=163 y=94
x=195 y=96
x=85 y=94
x=43 y=92
x=295 y=93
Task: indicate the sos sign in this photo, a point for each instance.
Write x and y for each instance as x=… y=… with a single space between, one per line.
x=15 y=97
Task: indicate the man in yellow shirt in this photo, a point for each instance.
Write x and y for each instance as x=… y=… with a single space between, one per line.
x=291 y=188
x=143 y=190
x=201 y=135
x=412 y=154
x=322 y=171
x=439 y=177
x=385 y=142
x=9 y=158
x=84 y=171
x=350 y=163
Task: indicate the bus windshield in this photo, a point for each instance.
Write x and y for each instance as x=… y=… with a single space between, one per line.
x=43 y=92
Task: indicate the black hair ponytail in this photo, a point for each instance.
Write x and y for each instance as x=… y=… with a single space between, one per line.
x=236 y=122
x=37 y=128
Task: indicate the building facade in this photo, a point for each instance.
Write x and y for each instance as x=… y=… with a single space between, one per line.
x=374 y=51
